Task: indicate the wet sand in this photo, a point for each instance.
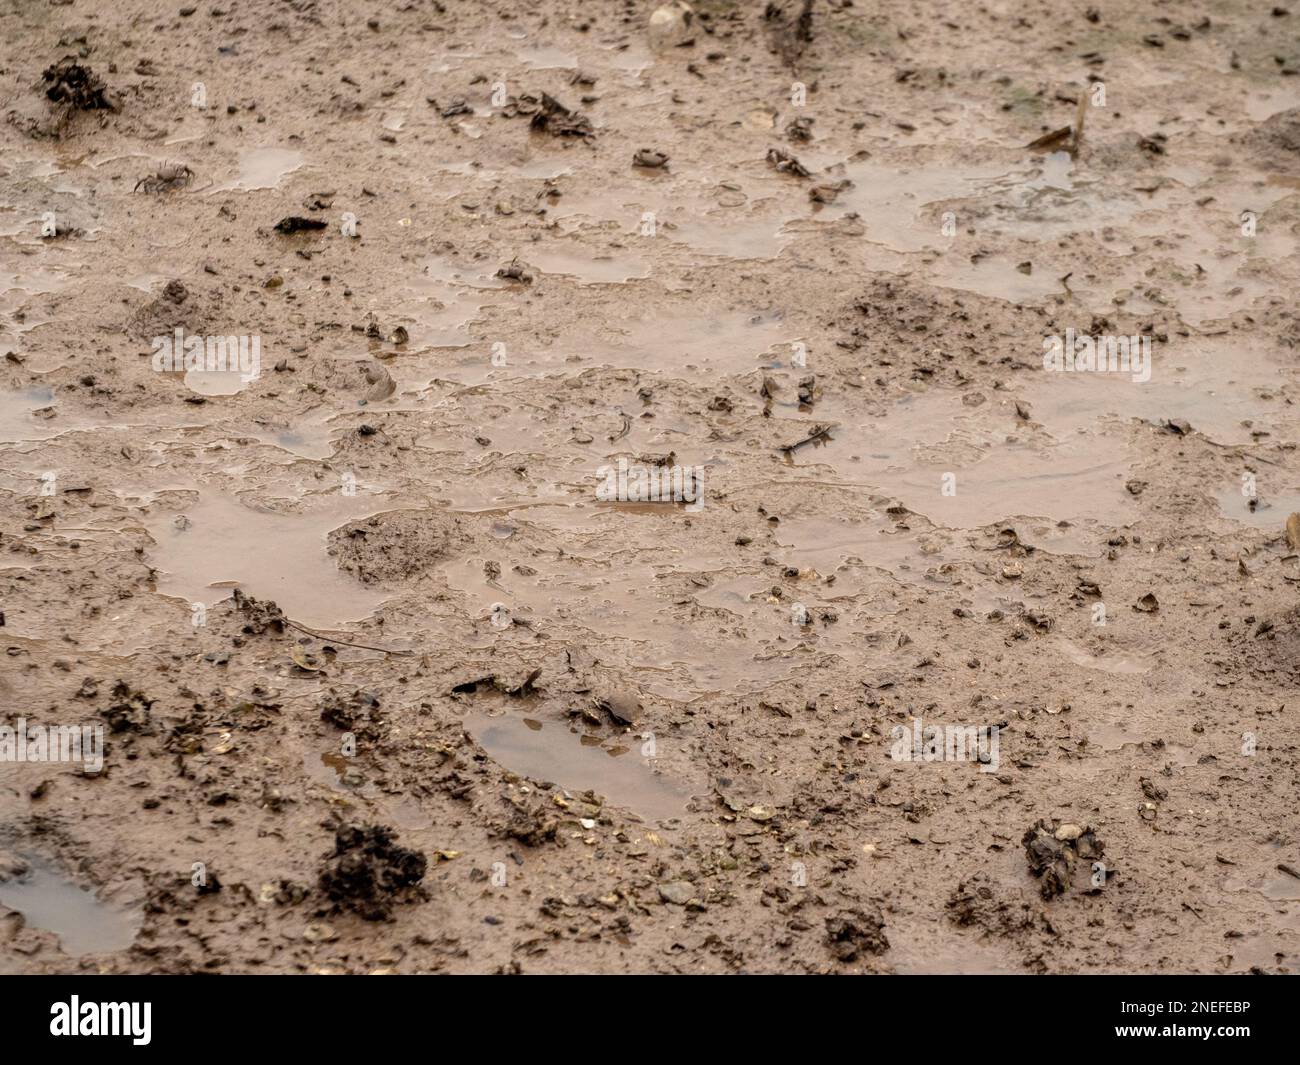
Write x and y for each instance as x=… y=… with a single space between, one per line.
x=629 y=736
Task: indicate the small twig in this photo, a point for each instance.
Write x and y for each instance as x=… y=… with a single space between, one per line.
x=346 y=643
x=819 y=433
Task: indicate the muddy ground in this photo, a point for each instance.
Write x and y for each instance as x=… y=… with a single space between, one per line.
x=669 y=749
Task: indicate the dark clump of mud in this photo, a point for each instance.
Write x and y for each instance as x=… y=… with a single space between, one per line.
x=297 y=224
x=977 y=902
x=259 y=615
x=369 y=873
x=68 y=82
x=129 y=711
x=1053 y=850
x=357 y=713
x=551 y=116
x=530 y=824
x=853 y=933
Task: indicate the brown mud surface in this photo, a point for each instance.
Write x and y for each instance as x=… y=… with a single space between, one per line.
x=670 y=747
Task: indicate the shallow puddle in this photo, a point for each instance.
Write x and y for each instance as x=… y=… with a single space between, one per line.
x=587 y=268
x=546 y=57
x=1226 y=392
x=1111 y=737
x=550 y=753
x=1122 y=664
x=967 y=466
x=204 y=550
x=1264 y=510
x=18 y=421
x=263 y=168
x=83 y=923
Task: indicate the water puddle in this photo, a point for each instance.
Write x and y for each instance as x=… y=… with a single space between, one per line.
x=83 y=923
x=587 y=268
x=1120 y=664
x=215 y=382
x=16 y=289
x=550 y=753
x=890 y=200
x=1265 y=511
x=263 y=168
x=965 y=468
x=546 y=57
x=205 y=549
x=1112 y=737
x=918 y=949
x=670 y=341
x=1262 y=104
x=741 y=220
x=1278 y=886
x=835 y=546
x=18 y=420
x=1227 y=393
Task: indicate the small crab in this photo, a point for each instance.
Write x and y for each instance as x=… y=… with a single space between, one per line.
x=167 y=176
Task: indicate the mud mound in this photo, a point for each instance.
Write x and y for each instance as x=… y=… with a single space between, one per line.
x=369 y=873
x=176 y=307
x=856 y=932
x=357 y=713
x=68 y=82
x=979 y=903
x=1276 y=141
x=396 y=545
x=942 y=331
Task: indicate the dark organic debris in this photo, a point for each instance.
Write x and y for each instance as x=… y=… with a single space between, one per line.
x=799 y=129
x=852 y=933
x=1154 y=144
x=129 y=711
x=1053 y=850
x=368 y=872
x=819 y=433
x=979 y=902
x=531 y=825
x=550 y=116
x=1148 y=604
x=519 y=687
x=786 y=163
x=297 y=224
x=622 y=709
x=68 y=82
